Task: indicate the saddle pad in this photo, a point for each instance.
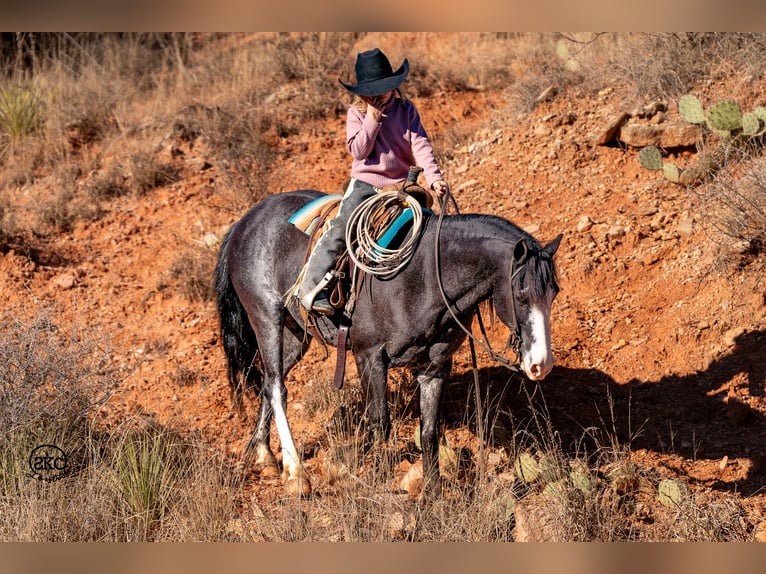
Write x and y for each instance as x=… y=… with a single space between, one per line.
x=307 y=217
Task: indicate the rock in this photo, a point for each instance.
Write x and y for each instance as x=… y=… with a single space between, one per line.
x=531 y=228
x=534 y=521
x=584 y=224
x=760 y=532
x=546 y=95
x=686 y=226
x=620 y=344
x=666 y=135
x=210 y=239
x=412 y=482
x=613 y=125
x=615 y=231
x=466 y=185
x=64 y=281
x=542 y=130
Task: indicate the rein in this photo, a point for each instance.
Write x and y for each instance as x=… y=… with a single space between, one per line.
x=514 y=339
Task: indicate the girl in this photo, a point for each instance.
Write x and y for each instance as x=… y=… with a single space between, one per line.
x=385 y=137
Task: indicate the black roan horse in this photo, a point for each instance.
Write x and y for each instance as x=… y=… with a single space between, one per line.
x=401 y=321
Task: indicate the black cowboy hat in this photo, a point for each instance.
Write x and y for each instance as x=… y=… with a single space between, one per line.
x=374 y=75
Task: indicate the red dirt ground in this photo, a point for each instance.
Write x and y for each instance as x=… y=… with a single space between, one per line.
x=646 y=317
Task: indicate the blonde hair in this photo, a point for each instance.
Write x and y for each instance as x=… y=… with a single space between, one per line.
x=361 y=105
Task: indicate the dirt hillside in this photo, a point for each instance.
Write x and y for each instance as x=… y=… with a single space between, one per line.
x=657 y=339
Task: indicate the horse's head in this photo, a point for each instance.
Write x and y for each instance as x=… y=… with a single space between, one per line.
x=526 y=306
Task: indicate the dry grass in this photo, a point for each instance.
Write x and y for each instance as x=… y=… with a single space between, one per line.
x=736 y=203
x=136 y=482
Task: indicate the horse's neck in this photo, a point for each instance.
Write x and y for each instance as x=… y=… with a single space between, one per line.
x=471 y=264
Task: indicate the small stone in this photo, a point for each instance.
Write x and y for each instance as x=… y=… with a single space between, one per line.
x=412 y=482
x=584 y=224
x=64 y=281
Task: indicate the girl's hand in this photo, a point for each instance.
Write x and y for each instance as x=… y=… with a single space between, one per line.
x=375 y=105
x=373 y=112
x=440 y=187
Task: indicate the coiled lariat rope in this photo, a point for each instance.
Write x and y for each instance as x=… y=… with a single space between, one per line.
x=366 y=224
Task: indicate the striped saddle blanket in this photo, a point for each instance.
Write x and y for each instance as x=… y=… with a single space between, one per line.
x=324 y=208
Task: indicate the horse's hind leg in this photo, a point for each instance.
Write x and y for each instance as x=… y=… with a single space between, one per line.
x=278 y=358
x=265 y=461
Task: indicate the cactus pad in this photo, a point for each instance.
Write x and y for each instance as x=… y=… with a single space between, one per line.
x=527 y=468
x=760 y=113
x=671 y=172
x=725 y=115
x=670 y=493
x=651 y=158
x=690 y=108
x=751 y=125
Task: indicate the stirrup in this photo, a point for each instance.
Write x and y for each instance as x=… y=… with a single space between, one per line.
x=308 y=299
x=322 y=305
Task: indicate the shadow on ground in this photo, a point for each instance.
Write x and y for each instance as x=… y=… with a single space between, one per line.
x=688 y=416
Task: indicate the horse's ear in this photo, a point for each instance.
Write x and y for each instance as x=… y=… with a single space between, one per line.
x=520 y=251
x=551 y=248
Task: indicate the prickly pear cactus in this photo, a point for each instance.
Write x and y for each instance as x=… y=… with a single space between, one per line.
x=651 y=158
x=527 y=468
x=760 y=113
x=671 y=172
x=751 y=125
x=671 y=493
x=725 y=116
x=690 y=108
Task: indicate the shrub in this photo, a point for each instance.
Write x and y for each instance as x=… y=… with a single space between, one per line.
x=21 y=112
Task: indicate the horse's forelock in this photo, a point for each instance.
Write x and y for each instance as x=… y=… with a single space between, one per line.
x=540 y=274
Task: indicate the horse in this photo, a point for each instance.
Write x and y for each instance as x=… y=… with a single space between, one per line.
x=414 y=319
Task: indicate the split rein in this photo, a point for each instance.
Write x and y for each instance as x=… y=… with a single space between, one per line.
x=514 y=339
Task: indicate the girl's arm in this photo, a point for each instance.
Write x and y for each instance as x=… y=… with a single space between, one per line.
x=361 y=131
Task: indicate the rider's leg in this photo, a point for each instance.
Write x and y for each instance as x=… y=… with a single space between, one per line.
x=329 y=247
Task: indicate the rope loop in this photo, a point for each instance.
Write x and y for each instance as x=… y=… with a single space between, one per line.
x=367 y=222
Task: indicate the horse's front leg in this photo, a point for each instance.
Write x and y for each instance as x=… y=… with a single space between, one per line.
x=431 y=385
x=373 y=372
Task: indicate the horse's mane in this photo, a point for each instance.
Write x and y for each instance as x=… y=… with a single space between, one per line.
x=541 y=271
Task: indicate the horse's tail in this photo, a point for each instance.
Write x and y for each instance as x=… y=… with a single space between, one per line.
x=237 y=336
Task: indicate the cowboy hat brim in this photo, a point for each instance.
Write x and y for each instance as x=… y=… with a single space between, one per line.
x=381 y=85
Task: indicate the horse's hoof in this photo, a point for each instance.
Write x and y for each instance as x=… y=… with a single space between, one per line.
x=265 y=463
x=267 y=470
x=298 y=486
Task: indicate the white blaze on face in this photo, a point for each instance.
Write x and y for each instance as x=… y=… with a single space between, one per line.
x=538 y=362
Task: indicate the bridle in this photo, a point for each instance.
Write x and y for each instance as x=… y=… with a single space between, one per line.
x=514 y=338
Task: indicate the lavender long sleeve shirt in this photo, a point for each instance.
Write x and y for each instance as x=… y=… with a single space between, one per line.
x=384 y=151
